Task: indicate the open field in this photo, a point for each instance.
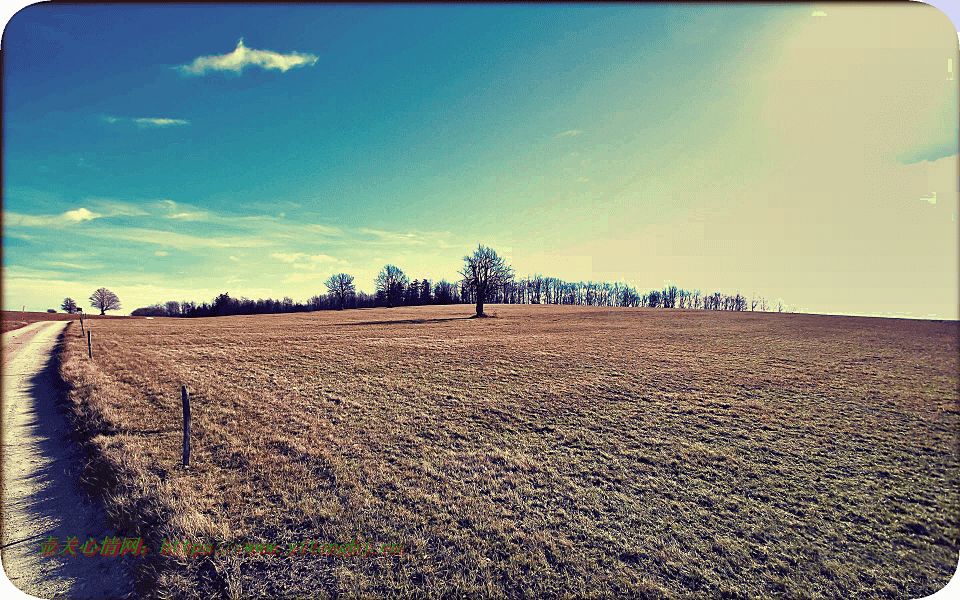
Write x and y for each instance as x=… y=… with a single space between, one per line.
x=548 y=452
x=15 y=319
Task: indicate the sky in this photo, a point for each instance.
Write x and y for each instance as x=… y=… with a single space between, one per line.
x=800 y=152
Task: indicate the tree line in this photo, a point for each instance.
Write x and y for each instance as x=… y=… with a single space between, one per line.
x=485 y=278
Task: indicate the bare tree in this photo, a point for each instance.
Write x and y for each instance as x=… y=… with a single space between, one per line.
x=172 y=308
x=485 y=272
x=341 y=286
x=391 y=281
x=105 y=300
x=69 y=305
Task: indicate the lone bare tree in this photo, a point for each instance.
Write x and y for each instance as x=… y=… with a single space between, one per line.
x=105 y=300
x=485 y=272
x=341 y=287
x=391 y=282
x=69 y=305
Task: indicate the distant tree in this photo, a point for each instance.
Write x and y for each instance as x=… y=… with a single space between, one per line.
x=69 y=306
x=669 y=297
x=654 y=299
x=51 y=310
x=341 y=287
x=443 y=292
x=485 y=272
x=104 y=300
x=425 y=296
x=222 y=305
x=391 y=282
x=149 y=311
x=411 y=296
x=173 y=308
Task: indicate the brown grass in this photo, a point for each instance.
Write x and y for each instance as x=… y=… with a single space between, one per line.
x=549 y=452
x=15 y=319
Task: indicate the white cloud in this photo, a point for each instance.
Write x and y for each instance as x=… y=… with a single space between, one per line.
x=170 y=238
x=569 y=132
x=161 y=253
x=182 y=212
x=71 y=216
x=313 y=261
x=115 y=208
x=818 y=13
x=75 y=265
x=389 y=237
x=289 y=258
x=79 y=215
x=159 y=122
x=189 y=216
x=145 y=122
x=303 y=277
x=242 y=57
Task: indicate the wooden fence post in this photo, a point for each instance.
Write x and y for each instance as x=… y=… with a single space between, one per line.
x=81 y=325
x=186 y=425
x=89 y=347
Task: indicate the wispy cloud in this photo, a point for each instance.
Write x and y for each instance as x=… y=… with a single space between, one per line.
x=116 y=208
x=182 y=212
x=304 y=277
x=569 y=132
x=160 y=122
x=175 y=240
x=242 y=57
x=389 y=237
x=145 y=122
x=68 y=218
x=75 y=265
x=312 y=262
x=288 y=258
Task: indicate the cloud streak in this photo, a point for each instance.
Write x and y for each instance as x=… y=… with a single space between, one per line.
x=145 y=122
x=159 y=122
x=68 y=218
x=175 y=240
x=243 y=57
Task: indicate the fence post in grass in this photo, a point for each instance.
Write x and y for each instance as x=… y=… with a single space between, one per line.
x=89 y=347
x=186 y=425
x=81 y=325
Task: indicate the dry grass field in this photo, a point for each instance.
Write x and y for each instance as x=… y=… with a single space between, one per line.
x=15 y=319
x=548 y=452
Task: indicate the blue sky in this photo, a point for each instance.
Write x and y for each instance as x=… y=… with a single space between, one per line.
x=802 y=152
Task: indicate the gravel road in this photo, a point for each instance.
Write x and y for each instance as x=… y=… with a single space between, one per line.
x=40 y=493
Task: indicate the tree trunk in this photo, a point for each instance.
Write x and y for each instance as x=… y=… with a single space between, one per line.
x=479 y=306
x=102 y=312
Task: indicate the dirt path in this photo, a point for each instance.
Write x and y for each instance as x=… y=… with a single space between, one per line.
x=40 y=495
